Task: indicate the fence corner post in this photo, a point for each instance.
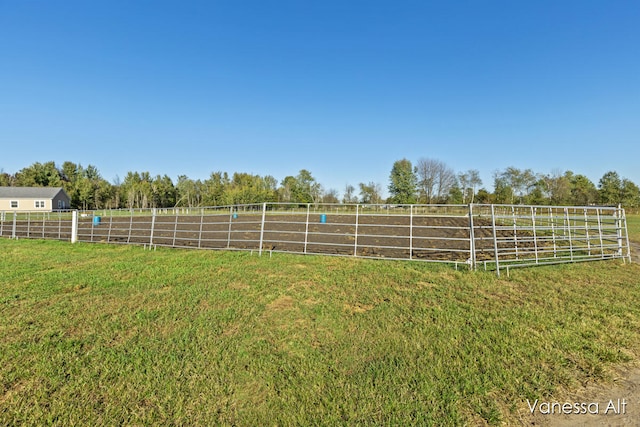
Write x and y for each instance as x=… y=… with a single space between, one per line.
x=74 y=226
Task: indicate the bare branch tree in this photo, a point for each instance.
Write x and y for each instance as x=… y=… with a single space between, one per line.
x=435 y=180
x=469 y=182
x=349 y=195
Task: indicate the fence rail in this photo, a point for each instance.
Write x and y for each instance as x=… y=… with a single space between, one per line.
x=493 y=237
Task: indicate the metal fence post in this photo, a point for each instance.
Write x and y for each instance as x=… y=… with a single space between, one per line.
x=515 y=230
x=28 y=224
x=130 y=225
x=552 y=218
x=200 y=232
x=568 y=220
x=410 y=231
x=495 y=239
x=306 y=229
x=93 y=223
x=355 y=246
x=472 y=240
x=175 y=228
x=74 y=226
x=535 y=235
x=586 y=231
x=110 y=224
x=264 y=213
x=619 y=229
x=626 y=232
x=153 y=224
x=230 y=222
x=600 y=233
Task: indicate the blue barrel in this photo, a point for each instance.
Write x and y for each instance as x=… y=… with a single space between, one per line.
x=96 y=220
x=323 y=218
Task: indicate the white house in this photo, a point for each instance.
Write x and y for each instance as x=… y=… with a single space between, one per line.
x=33 y=199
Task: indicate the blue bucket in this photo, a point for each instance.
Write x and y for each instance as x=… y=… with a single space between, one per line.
x=323 y=218
x=235 y=215
x=96 y=220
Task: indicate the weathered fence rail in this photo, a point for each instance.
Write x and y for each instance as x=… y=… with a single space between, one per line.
x=492 y=237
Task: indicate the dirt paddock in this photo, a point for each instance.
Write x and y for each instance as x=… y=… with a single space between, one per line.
x=436 y=238
x=441 y=238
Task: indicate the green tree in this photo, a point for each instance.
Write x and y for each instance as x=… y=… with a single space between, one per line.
x=331 y=196
x=163 y=192
x=308 y=190
x=630 y=194
x=583 y=191
x=302 y=188
x=287 y=189
x=215 y=189
x=188 y=192
x=537 y=195
x=95 y=191
x=610 y=188
x=514 y=185
x=370 y=193
x=456 y=195
x=105 y=195
x=402 y=183
x=137 y=190
x=85 y=187
x=71 y=173
x=484 y=196
x=5 y=179
x=247 y=188
x=557 y=187
x=502 y=190
x=270 y=184
x=39 y=175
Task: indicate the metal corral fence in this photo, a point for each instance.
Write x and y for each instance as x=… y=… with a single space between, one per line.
x=491 y=237
x=56 y=225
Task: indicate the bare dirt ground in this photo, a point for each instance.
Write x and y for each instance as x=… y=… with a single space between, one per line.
x=379 y=236
x=635 y=251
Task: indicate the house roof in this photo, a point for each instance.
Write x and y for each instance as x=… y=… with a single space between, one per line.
x=29 y=192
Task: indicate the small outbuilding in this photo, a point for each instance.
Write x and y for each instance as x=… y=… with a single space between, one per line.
x=33 y=199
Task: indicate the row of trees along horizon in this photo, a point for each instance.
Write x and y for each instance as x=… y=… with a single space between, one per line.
x=430 y=181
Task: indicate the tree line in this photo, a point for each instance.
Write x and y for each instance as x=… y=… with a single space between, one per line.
x=430 y=181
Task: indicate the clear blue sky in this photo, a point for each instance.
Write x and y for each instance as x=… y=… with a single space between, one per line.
x=341 y=88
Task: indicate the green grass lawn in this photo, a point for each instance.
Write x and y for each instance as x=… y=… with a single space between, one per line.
x=99 y=334
x=633 y=227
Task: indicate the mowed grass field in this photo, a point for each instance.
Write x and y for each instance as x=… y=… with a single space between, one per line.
x=633 y=226
x=115 y=335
